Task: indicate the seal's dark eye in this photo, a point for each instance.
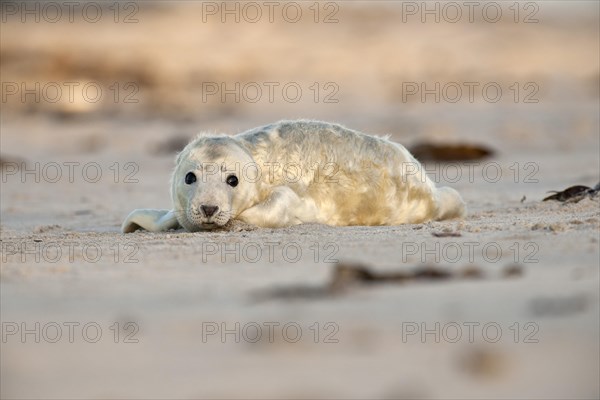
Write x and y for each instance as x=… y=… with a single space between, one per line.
x=232 y=180
x=190 y=178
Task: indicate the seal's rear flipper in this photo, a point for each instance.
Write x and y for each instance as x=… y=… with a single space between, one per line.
x=450 y=204
x=150 y=220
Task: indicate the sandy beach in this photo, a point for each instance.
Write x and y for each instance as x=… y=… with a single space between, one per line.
x=89 y=312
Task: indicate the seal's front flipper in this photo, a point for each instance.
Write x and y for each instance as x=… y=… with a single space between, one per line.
x=236 y=225
x=150 y=220
x=282 y=208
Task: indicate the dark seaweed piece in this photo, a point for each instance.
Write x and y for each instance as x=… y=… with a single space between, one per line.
x=347 y=276
x=512 y=271
x=450 y=152
x=574 y=193
x=302 y=292
x=431 y=274
x=446 y=234
x=472 y=272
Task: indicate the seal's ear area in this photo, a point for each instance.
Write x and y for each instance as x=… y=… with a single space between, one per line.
x=150 y=220
x=180 y=156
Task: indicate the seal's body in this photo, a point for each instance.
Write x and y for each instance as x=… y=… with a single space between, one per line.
x=295 y=172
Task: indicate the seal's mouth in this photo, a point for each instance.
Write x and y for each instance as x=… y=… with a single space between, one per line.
x=208 y=225
x=201 y=222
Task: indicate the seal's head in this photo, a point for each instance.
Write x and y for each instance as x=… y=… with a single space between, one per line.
x=213 y=182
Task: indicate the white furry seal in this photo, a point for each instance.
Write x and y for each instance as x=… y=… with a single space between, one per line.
x=294 y=172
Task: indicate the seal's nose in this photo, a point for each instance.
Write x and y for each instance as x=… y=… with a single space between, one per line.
x=209 y=211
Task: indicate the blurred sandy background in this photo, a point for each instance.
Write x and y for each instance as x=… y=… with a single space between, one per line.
x=167 y=62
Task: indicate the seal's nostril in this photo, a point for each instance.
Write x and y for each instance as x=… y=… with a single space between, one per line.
x=209 y=211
